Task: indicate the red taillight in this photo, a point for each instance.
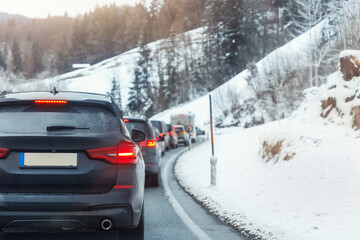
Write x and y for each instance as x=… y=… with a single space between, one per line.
x=157 y=139
x=171 y=132
x=175 y=127
x=175 y=134
x=182 y=115
x=124 y=153
x=161 y=135
x=108 y=154
x=127 y=153
x=148 y=143
x=50 y=102
x=3 y=152
x=151 y=143
x=126 y=120
x=184 y=132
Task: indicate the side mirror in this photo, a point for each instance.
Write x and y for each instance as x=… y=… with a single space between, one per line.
x=137 y=136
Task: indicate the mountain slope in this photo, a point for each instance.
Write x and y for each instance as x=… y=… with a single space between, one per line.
x=4 y=17
x=98 y=77
x=279 y=59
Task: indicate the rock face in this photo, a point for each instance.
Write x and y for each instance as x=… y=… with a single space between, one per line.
x=349 y=65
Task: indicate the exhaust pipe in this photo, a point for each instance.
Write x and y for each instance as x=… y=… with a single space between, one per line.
x=106 y=224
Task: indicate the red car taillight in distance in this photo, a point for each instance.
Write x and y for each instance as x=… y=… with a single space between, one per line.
x=50 y=102
x=171 y=132
x=124 y=153
x=3 y=152
x=148 y=143
x=126 y=120
x=184 y=132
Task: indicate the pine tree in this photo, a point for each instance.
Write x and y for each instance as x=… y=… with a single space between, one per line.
x=136 y=101
x=3 y=64
x=17 y=61
x=141 y=84
x=79 y=42
x=116 y=90
x=172 y=80
x=62 y=61
x=212 y=43
x=37 y=58
x=233 y=38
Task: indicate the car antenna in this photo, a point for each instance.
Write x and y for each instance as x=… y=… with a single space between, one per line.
x=54 y=91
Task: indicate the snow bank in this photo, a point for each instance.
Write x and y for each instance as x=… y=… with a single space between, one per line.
x=349 y=52
x=313 y=194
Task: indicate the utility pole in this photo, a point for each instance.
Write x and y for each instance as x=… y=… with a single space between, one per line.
x=213 y=159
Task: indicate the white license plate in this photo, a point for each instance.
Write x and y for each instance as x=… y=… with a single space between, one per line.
x=48 y=160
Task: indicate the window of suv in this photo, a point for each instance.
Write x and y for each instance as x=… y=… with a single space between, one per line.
x=158 y=125
x=38 y=119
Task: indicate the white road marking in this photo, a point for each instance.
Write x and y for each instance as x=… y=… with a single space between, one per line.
x=200 y=234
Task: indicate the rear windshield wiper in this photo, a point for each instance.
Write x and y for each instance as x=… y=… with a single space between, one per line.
x=60 y=128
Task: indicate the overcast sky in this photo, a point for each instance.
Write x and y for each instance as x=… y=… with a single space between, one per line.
x=41 y=8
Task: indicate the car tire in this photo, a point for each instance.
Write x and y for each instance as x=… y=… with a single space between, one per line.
x=155 y=180
x=136 y=233
x=193 y=140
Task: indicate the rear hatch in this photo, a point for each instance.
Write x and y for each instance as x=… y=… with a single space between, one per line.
x=47 y=146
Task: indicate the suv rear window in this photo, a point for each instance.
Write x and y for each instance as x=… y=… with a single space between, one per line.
x=136 y=125
x=158 y=125
x=38 y=119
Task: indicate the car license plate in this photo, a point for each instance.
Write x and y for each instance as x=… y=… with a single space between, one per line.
x=46 y=160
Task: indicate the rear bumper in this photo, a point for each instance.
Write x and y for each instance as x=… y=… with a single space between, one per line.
x=120 y=216
x=56 y=213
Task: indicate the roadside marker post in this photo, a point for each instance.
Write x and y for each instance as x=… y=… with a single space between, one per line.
x=213 y=159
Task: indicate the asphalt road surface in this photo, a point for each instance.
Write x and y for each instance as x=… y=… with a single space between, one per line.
x=170 y=213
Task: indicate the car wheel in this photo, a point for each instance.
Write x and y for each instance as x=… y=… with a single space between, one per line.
x=136 y=233
x=193 y=140
x=155 y=180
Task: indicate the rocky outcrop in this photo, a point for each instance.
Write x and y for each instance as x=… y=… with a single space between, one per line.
x=350 y=64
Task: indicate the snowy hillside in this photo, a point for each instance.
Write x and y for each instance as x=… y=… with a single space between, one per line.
x=241 y=91
x=98 y=78
x=291 y=179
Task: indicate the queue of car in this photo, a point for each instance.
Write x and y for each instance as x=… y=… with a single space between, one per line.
x=69 y=163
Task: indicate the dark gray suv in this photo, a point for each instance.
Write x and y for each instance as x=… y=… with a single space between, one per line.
x=67 y=163
x=150 y=148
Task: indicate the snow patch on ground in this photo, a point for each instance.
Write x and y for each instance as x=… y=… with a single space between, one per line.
x=312 y=195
